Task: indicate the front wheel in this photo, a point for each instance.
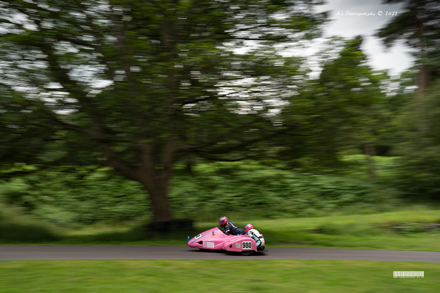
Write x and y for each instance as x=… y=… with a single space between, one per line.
x=202 y=249
x=246 y=253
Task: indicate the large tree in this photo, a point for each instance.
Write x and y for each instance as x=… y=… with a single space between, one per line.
x=419 y=26
x=142 y=84
x=340 y=109
x=419 y=168
x=417 y=123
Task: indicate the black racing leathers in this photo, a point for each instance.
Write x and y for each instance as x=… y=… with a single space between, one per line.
x=231 y=228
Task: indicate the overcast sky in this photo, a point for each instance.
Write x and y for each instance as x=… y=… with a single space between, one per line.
x=364 y=17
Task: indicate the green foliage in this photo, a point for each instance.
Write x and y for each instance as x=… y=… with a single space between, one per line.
x=72 y=196
x=418 y=25
x=137 y=85
x=260 y=191
x=65 y=199
x=340 y=109
x=386 y=167
x=17 y=227
x=419 y=167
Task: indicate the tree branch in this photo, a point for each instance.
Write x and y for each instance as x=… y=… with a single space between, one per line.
x=121 y=166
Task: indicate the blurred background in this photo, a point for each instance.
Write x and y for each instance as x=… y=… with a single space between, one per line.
x=120 y=112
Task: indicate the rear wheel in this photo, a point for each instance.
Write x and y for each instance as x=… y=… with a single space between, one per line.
x=246 y=253
x=202 y=249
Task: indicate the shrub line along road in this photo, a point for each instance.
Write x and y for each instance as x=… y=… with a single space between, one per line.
x=186 y=253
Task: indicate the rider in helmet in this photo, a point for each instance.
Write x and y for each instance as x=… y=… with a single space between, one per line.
x=229 y=227
x=254 y=234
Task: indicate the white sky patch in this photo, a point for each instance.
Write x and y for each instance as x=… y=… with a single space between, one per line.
x=349 y=19
x=102 y=83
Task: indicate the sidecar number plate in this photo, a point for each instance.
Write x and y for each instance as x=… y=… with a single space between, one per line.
x=208 y=244
x=246 y=245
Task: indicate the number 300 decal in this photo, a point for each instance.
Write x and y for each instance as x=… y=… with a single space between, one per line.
x=246 y=245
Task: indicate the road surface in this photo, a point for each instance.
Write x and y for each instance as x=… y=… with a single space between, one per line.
x=187 y=253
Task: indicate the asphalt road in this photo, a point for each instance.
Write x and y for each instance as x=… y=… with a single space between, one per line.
x=187 y=253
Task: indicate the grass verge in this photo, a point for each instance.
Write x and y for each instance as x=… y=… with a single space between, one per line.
x=338 y=231
x=214 y=276
x=351 y=231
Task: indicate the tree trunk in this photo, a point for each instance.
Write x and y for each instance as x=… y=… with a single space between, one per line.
x=422 y=84
x=422 y=79
x=157 y=188
x=155 y=173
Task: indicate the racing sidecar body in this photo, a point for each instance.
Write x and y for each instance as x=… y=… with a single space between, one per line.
x=215 y=239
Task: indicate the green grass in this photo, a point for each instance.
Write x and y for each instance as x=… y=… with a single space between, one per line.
x=351 y=231
x=15 y=226
x=420 y=214
x=133 y=276
x=362 y=231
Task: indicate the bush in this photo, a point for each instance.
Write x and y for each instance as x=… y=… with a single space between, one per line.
x=265 y=192
x=245 y=189
x=16 y=227
x=66 y=199
x=419 y=167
